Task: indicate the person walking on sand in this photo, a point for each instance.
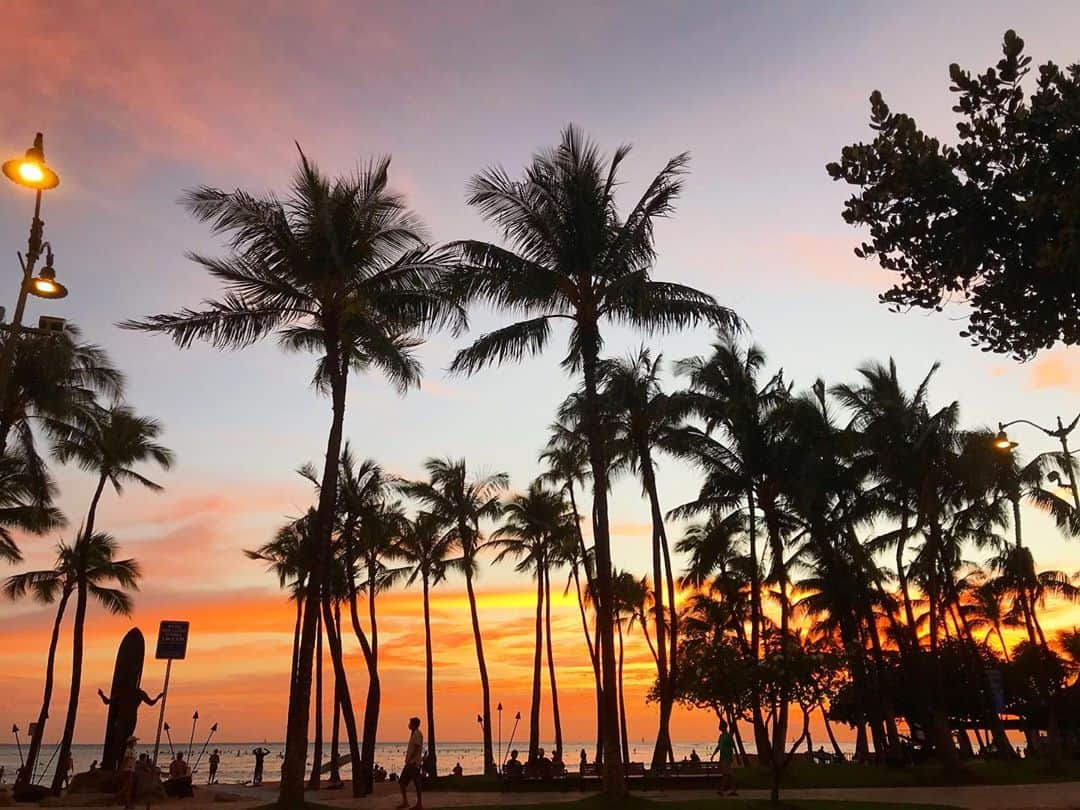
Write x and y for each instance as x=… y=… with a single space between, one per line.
x=260 y=755
x=725 y=747
x=411 y=771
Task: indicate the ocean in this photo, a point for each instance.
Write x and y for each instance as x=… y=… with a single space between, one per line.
x=238 y=764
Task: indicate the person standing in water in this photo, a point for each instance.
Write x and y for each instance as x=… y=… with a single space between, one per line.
x=260 y=755
x=411 y=771
x=215 y=761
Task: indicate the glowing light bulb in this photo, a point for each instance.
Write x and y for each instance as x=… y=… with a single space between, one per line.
x=31 y=172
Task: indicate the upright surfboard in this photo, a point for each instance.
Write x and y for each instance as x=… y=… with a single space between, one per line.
x=127 y=675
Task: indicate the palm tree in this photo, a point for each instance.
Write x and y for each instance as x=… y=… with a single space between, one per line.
x=95 y=571
x=55 y=382
x=630 y=595
x=26 y=493
x=110 y=444
x=461 y=502
x=535 y=523
x=424 y=545
x=368 y=523
x=567 y=460
x=741 y=449
x=45 y=586
x=646 y=421
x=340 y=269
x=571 y=257
x=288 y=557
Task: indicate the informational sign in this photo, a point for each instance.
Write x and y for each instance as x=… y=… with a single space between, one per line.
x=172 y=640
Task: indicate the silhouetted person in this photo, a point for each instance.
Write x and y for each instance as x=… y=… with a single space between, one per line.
x=543 y=765
x=694 y=756
x=123 y=719
x=411 y=771
x=583 y=761
x=457 y=771
x=260 y=755
x=513 y=769
x=725 y=747
x=215 y=761
x=178 y=768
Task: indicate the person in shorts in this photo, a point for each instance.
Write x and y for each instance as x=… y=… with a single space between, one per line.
x=725 y=747
x=411 y=771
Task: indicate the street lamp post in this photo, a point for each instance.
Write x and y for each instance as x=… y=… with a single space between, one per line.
x=30 y=171
x=1002 y=442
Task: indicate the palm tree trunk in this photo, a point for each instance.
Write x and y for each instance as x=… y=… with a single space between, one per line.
x=829 y=731
x=316 y=764
x=659 y=538
x=77 y=636
x=613 y=775
x=761 y=734
x=538 y=649
x=551 y=667
x=335 y=732
x=594 y=651
x=78 y=633
x=429 y=693
x=296 y=629
x=901 y=576
x=26 y=775
x=490 y=768
x=373 y=704
x=291 y=792
x=624 y=737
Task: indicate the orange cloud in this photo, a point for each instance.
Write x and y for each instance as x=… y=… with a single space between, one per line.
x=1056 y=369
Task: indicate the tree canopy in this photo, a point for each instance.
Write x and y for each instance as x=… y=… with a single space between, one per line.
x=991 y=221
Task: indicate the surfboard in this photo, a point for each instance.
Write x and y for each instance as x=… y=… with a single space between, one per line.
x=127 y=675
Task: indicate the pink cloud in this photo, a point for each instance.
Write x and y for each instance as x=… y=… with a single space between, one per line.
x=830 y=259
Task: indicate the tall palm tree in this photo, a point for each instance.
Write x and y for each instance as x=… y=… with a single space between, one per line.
x=341 y=269
x=424 y=546
x=570 y=256
x=47 y=586
x=110 y=445
x=288 y=557
x=741 y=450
x=99 y=576
x=368 y=523
x=534 y=524
x=646 y=421
x=462 y=502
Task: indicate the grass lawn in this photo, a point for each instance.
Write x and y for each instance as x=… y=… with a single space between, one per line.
x=638 y=803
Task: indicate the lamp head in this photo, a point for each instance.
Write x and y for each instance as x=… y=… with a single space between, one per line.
x=45 y=285
x=31 y=171
x=1002 y=442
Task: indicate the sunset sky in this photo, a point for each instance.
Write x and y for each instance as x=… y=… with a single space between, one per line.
x=139 y=101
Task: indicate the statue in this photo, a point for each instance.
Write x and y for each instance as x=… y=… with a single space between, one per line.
x=124 y=698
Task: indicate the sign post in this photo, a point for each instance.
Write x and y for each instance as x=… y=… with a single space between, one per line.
x=171 y=645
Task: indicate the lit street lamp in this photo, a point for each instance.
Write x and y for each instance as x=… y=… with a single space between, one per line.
x=30 y=171
x=1002 y=442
